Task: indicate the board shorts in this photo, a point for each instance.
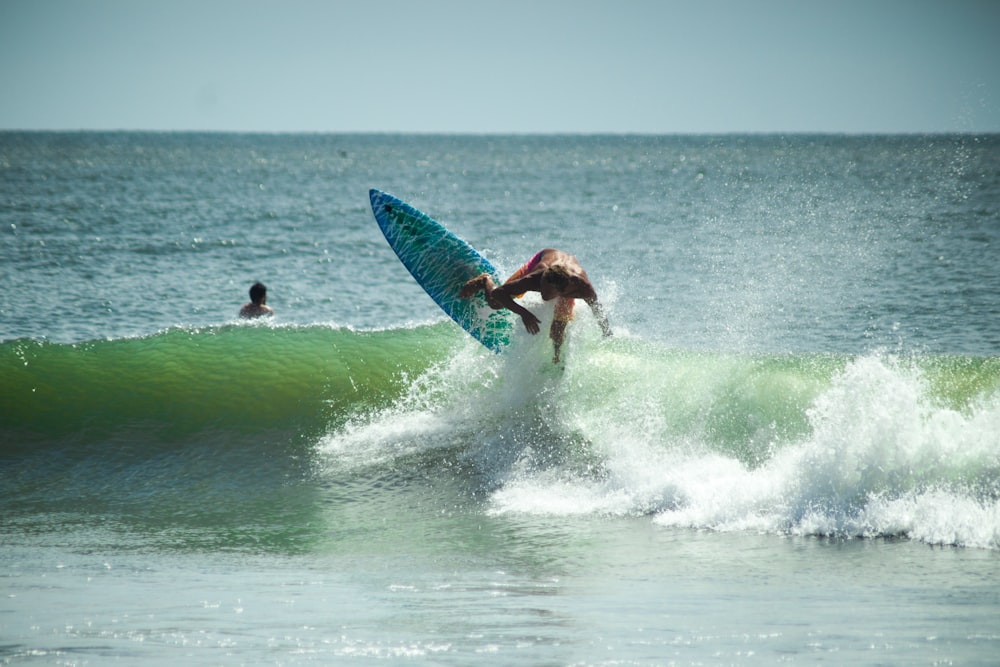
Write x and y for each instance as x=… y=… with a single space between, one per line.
x=564 y=306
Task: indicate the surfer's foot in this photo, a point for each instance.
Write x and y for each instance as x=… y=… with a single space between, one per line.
x=474 y=286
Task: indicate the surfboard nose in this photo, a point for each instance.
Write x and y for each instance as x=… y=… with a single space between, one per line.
x=380 y=200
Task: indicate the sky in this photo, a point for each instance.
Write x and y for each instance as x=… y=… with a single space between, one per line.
x=504 y=66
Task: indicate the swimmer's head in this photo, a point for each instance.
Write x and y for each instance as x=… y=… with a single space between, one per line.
x=258 y=293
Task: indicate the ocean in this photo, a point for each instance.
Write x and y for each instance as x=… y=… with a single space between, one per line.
x=788 y=452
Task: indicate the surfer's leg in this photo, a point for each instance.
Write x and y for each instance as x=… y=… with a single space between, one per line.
x=480 y=283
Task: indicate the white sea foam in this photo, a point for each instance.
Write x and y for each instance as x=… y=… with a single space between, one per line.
x=882 y=457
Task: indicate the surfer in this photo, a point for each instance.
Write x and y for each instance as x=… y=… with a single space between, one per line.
x=257 y=306
x=555 y=275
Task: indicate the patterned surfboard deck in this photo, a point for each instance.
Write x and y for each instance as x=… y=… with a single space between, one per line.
x=442 y=263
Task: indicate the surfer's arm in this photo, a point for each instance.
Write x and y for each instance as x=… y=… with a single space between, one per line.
x=500 y=298
x=529 y=282
x=602 y=319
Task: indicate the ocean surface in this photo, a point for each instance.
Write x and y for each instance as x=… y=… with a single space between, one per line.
x=788 y=452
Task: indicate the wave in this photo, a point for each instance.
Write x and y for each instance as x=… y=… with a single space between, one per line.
x=189 y=438
x=817 y=444
x=240 y=377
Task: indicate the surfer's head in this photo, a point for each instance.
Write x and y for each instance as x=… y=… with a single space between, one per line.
x=555 y=280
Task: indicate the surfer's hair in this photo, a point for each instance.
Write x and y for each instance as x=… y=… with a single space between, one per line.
x=257 y=292
x=557 y=275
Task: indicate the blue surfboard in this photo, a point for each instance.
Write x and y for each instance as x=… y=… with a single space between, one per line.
x=442 y=263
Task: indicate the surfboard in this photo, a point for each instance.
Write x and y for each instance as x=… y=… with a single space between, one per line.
x=442 y=263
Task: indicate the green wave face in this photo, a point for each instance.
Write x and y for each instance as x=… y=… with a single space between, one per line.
x=239 y=377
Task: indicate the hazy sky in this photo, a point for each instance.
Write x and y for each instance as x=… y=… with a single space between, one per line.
x=658 y=66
